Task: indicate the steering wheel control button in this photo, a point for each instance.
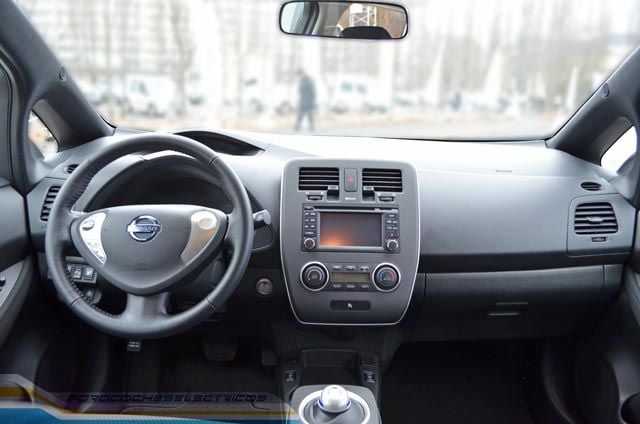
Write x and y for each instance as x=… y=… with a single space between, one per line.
x=91 y=234
x=88 y=224
x=350 y=305
x=314 y=276
x=334 y=399
x=386 y=277
x=144 y=228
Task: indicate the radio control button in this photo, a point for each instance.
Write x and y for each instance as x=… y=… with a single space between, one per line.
x=314 y=276
x=386 y=277
x=351 y=268
x=392 y=245
x=309 y=243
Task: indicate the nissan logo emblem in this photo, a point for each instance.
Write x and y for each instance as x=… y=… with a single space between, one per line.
x=144 y=228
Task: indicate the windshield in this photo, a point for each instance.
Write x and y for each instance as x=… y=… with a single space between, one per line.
x=488 y=69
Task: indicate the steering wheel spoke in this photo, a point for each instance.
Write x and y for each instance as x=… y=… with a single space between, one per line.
x=68 y=219
x=145 y=310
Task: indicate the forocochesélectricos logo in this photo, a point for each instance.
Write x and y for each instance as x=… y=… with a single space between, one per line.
x=23 y=402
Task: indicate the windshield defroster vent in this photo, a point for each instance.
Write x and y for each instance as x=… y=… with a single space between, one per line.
x=318 y=178
x=48 y=202
x=595 y=218
x=376 y=179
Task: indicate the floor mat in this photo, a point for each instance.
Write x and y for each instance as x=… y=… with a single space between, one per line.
x=182 y=367
x=451 y=383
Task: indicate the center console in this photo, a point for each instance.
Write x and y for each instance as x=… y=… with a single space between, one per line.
x=349 y=239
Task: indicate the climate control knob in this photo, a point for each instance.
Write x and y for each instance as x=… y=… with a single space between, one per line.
x=386 y=277
x=314 y=276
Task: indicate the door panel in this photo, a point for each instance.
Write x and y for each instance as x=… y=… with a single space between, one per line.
x=13 y=226
x=16 y=268
x=607 y=373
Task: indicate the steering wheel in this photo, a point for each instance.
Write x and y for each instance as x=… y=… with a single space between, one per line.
x=145 y=250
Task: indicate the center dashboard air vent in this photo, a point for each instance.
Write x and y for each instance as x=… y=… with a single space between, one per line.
x=48 y=202
x=70 y=168
x=378 y=179
x=318 y=178
x=595 y=218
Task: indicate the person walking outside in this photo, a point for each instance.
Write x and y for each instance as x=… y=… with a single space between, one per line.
x=306 y=100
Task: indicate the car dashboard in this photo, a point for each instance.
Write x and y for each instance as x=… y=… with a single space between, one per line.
x=450 y=240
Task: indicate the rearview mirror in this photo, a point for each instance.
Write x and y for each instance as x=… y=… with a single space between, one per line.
x=339 y=19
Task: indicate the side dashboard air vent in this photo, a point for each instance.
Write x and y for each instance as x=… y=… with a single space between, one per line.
x=48 y=202
x=591 y=186
x=595 y=218
x=382 y=179
x=70 y=168
x=318 y=178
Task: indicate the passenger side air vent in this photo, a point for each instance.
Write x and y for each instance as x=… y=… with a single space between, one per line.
x=318 y=178
x=591 y=186
x=70 y=168
x=595 y=218
x=382 y=179
x=48 y=202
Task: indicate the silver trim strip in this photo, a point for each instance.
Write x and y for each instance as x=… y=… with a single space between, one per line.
x=204 y=226
x=91 y=235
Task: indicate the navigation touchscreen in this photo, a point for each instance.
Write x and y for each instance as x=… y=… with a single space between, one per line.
x=350 y=229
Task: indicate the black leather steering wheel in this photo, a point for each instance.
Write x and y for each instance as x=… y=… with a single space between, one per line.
x=145 y=250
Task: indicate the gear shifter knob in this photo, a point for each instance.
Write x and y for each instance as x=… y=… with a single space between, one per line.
x=334 y=399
